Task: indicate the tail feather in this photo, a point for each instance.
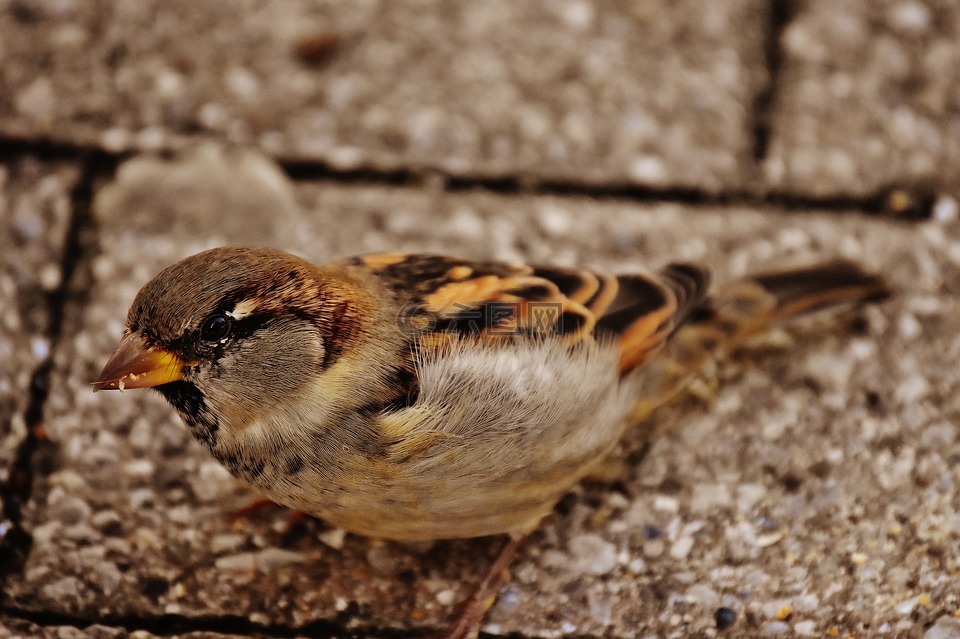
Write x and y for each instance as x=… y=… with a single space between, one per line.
x=743 y=309
x=821 y=286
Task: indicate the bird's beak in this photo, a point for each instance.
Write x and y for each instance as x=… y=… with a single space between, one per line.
x=136 y=365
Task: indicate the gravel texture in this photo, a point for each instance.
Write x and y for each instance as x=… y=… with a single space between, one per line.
x=13 y=628
x=869 y=98
x=809 y=488
x=34 y=211
x=650 y=92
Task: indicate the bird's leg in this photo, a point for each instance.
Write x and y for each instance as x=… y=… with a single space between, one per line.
x=479 y=603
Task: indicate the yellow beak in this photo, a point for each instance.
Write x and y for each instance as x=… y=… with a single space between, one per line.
x=135 y=365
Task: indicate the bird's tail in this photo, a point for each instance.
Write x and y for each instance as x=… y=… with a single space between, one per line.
x=744 y=309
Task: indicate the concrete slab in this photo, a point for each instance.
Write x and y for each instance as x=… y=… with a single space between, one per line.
x=814 y=493
x=651 y=93
x=34 y=213
x=866 y=99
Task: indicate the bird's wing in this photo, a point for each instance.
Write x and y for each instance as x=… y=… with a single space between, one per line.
x=447 y=297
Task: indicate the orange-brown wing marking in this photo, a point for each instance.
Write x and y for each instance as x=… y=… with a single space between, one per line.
x=646 y=310
x=493 y=300
x=488 y=299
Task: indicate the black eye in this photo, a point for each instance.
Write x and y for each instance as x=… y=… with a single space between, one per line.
x=215 y=328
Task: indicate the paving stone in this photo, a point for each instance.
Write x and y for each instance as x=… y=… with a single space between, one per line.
x=34 y=213
x=814 y=490
x=648 y=92
x=867 y=98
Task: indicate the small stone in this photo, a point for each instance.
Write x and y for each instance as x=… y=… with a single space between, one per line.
x=271 y=558
x=946 y=210
x=905 y=608
x=70 y=510
x=681 y=548
x=99 y=631
x=704 y=595
x=666 y=504
x=227 y=542
x=555 y=220
x=67 y=588
x=240 y=561
x=805 y=628
x=806 y=603
x=141 y=498
x=724 y=617
x=944 y=628
x=774 y=628
x=706 y=497
x=911 y=18
x=38 y=101
x=748 y=495
x=334 y=537
x=108 y=522
x=648 y=169
x=109 y=577
x=140 y=468
x=654 y=548
x=592 y=554
x=49 y=277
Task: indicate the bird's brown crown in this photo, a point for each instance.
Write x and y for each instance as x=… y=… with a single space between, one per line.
x=237 y=281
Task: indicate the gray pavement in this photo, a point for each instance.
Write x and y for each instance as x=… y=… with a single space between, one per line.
x=808 y=488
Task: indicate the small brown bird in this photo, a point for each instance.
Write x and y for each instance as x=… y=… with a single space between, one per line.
x=420 y=397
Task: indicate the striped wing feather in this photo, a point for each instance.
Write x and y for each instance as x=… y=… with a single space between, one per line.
x=494 y=300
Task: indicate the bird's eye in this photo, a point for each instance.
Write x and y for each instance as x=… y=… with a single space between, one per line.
x=215 y=328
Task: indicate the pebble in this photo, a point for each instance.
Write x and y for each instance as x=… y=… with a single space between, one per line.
x=67 y=588
x=704 y=595
x=141 y=497
x=109 y=577
x=748 y=495
x=945 y=627
x=99 y=631
x=334 y=537
x=666 y=504
x=240 y=561
x=592 y=555
x=774 y=628
x=108 y=522
x=681 y=547
x=227 y=542
x=69 y=509
x=270 y=558
x=706 y=497
x=906 y=607
x=910 y=18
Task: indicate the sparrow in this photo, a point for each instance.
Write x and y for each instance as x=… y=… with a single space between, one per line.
x=421 y=397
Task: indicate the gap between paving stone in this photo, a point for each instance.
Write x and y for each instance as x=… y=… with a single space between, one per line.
x=33 y=451
x=167 y=625
x=781 y=14
x=911 y=202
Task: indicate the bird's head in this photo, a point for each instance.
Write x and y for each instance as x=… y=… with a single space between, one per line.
x=230 y=334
